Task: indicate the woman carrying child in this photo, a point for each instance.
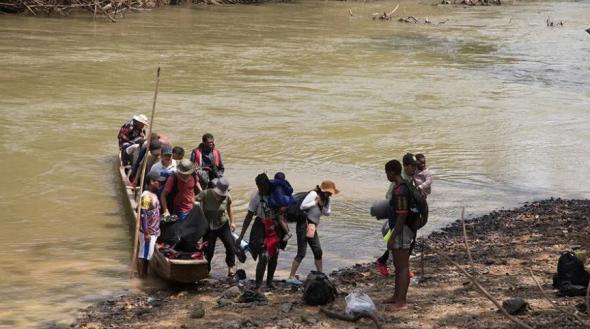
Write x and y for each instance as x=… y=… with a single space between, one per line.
x=264 y=239
x=315 y=204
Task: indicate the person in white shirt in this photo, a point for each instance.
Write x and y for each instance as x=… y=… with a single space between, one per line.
x=166 y=166
x=315 y=204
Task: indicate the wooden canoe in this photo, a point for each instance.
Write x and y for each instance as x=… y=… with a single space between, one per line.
x=174 y=270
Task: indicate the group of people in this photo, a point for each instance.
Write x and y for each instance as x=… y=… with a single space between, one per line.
x=173 y=184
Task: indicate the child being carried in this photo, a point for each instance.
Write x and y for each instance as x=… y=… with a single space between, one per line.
x=281 y=198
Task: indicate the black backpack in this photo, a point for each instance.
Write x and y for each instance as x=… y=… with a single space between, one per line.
x=318 y=289
x=417 y=220
x=570 y=269
x=294 y=213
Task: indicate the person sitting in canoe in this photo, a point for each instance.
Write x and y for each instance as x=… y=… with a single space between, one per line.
x=208 y=158
x=216 y=204
x=149 y=228
x=177 y=153
x=131 y=133
x=178 y=196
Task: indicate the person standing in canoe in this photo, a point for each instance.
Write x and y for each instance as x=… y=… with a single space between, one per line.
x=208 y=158
x=264 y=240
x=149 y=228
x=216 y=205
x=178 y=196
x=315 y=204
x=131 y=133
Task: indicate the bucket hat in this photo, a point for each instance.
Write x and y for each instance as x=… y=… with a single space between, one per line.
x=221 y=186
x=185 y=167
x=141 y=118
x=329 y=186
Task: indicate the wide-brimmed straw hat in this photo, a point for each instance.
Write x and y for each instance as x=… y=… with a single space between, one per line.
x=141 y=118
x=221 y=186
x=329 y=186
x=185 y=167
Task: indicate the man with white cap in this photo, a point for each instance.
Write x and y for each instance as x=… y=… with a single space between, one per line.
x=216 y=204
x=131 y=133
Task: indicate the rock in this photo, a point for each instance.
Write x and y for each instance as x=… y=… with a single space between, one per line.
x=308 y=319
x=249 y=323
x=182 y=294
x=231 y=293
x=198 y=311
x=224 y=302
x=515 y=306
x=286 y=307
x=209 y=282
x=285 y=323
x=230 y=325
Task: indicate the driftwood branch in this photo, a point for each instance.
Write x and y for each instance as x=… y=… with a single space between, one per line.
x=466 y=243
x=351 y=318
x=558 y=307
x=483 y=291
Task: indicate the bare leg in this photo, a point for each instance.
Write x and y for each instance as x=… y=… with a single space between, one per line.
x=294 y=268
x=318 y=265
x=401 y=261
x=142 y=268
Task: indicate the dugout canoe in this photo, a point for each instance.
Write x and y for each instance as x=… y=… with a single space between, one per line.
x=173 y=270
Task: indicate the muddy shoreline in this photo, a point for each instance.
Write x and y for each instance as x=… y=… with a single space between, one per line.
x=505 y=245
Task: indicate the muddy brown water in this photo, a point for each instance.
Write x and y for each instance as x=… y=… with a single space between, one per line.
x=497 y=101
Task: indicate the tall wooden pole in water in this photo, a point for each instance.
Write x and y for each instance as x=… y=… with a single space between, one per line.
x=142 y=178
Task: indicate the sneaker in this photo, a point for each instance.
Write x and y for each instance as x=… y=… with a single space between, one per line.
x=382 y=268
x=294 y=282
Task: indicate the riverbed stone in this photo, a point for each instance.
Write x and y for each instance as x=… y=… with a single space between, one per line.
x=285 y=323
x=286 y=307
x=515 y=306
x=231 y=292
x=198 y=311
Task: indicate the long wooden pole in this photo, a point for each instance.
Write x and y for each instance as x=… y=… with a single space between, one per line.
x=142 y=178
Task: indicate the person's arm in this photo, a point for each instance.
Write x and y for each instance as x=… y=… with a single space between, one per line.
x=401 y=212
x=230 y=214
x=327 y=209
x=427 y=182
x=221 y=168
x=247 y=221
x=198 y=187
x=201 y=196
x=310 y=200
x=164 y=197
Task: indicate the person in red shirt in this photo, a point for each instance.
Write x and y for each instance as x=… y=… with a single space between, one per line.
x=180 y=191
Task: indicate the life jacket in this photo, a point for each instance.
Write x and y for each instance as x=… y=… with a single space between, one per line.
x=197 y=157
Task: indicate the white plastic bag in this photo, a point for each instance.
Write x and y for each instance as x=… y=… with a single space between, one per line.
x=358 y=303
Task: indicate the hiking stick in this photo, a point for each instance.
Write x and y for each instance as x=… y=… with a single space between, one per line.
x=142 y=178
x=466 y=243
x=481 y=289
x=558 y=307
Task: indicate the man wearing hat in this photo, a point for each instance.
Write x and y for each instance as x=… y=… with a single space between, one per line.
x=178 y=196
x=216 y=205
x=166 y=166
x=149 y=227
x=131 y=133
x=315 y=204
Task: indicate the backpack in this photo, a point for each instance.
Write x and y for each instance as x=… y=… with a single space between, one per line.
x=417 y=219
x=570 y=269
x=318 y=289
x=294 y=213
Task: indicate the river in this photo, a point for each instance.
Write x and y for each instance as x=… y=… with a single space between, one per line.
x=496 y=100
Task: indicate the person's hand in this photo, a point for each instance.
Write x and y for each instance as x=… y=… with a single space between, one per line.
x=166 y=213
x=232 y=226
x=146 y=236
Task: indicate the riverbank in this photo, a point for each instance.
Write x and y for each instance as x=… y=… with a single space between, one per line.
x=505 y=245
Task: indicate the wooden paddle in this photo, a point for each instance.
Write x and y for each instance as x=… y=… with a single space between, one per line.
x=142 y=178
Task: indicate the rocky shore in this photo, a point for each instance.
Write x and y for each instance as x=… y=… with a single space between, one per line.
x=505 y=246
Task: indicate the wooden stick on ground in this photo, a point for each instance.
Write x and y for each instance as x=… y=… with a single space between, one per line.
x=142 y=178
x=558 y=307
x=483 y=291
x=466 y=243
x=393 y=11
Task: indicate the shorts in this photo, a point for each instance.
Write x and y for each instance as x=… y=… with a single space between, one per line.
x=404 y=239
x=146 y=250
